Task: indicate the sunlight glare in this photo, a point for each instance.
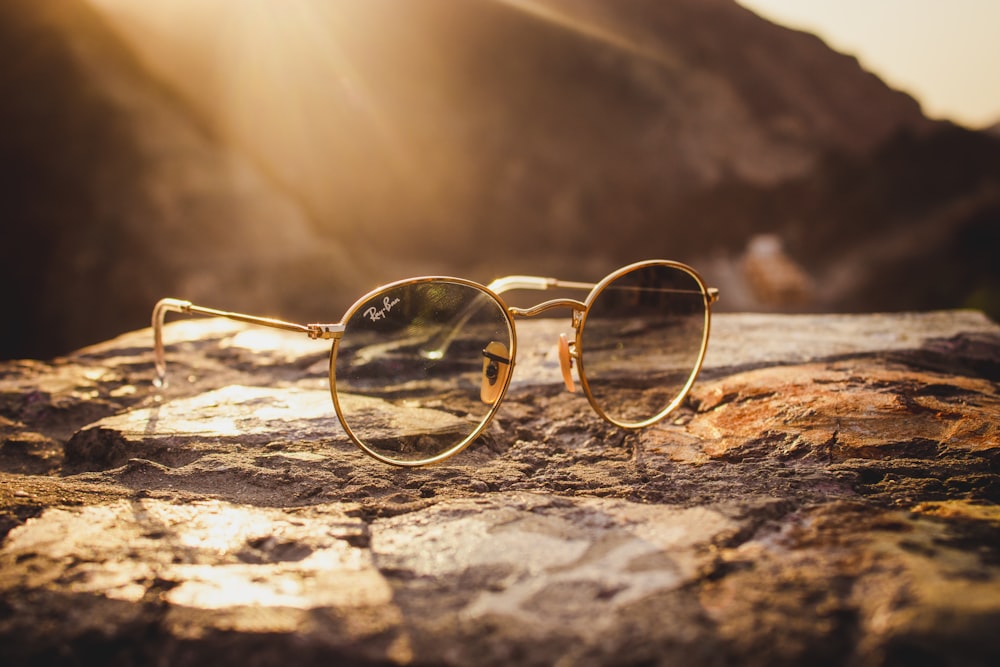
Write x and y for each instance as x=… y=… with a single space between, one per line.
x=281 y=77
x=580 y=24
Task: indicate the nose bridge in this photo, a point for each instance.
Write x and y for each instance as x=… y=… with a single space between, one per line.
x=567 y=351
x=576 y=306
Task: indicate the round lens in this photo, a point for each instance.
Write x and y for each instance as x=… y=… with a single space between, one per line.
x=421 y=368
x=642 y=341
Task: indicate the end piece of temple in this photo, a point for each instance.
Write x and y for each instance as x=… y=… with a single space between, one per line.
x=159 y=312
x=510 y=283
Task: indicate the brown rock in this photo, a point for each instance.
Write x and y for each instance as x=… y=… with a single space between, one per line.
x=828 y=494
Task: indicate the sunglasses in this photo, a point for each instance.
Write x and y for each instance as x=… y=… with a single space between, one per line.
x=419 y=367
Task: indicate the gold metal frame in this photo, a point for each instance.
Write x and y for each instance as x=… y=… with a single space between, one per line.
x=335 y=331
x=465 y=442
x=710 y=296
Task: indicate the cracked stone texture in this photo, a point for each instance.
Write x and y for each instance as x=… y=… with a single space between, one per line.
x=828 y=495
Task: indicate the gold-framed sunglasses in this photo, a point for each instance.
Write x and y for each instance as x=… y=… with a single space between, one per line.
x=419 y=367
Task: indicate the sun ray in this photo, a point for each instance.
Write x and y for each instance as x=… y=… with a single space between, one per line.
x=581 y=26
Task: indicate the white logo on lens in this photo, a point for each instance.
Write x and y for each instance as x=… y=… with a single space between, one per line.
x=375 y=314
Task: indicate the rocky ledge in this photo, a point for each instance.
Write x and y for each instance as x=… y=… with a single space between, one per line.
x=828 y=495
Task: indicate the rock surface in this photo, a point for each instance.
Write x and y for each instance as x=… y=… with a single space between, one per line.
x=828 y=495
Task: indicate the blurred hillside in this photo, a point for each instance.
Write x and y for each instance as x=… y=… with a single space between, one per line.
x=283 y=162
x=113 y=192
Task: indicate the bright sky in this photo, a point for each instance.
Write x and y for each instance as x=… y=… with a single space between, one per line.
x=946 y=53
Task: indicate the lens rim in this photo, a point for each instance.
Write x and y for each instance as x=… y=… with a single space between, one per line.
x=476 y=432
x=581 y=355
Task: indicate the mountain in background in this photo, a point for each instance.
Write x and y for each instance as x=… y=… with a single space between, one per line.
x=113 y=194
x=439 y=130
x=285 y=162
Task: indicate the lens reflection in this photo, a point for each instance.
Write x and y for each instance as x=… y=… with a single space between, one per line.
x=642 y=341
x=409 y=373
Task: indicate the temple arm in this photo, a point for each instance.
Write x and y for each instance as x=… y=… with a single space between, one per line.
x=163 y=306
x=509 y=283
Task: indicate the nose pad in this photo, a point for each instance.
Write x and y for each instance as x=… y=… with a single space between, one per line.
x=496 y=368
x=566 y=363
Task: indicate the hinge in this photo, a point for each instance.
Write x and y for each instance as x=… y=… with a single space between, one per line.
x=325 y=331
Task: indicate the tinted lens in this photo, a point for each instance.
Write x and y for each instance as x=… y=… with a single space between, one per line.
x=642 y=341
x=421 y=367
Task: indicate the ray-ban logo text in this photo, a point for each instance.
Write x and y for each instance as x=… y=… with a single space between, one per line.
x=374 y=313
